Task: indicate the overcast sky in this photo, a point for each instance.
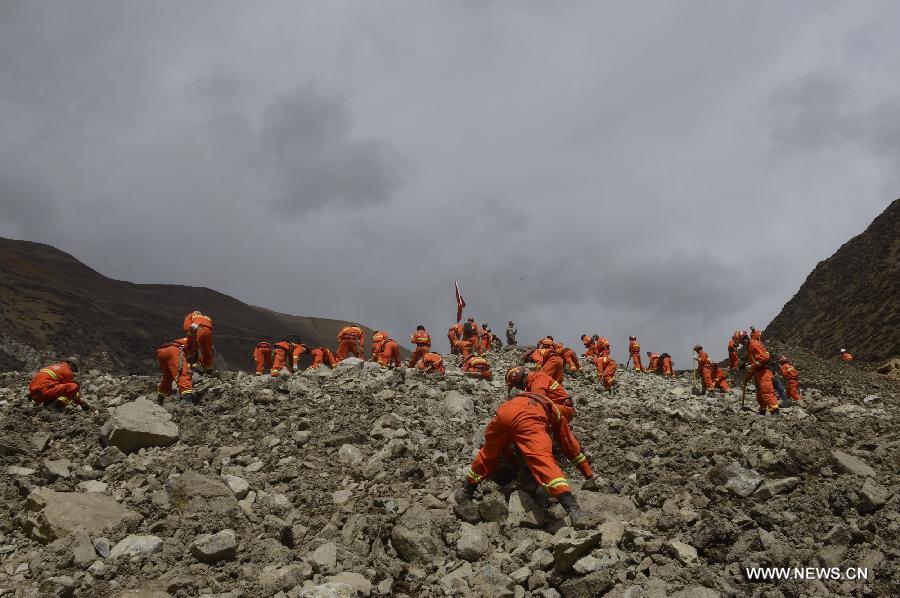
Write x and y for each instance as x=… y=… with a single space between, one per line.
x=672 y=170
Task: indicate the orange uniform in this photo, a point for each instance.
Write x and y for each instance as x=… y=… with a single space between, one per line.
x=174 y=367
x=537 y=357
x=570 y=358
x=55 y=383
x=203 y=349
x=733 y=360
x=606 y=370
x=634 y=348
x=791 y=379
x=487 y=337
x=322 y=355
x=530 y=421
x=454 y=335
x=350 y=342
x=422 y=340
x=602 y=347
x=432 y=363
x=282 y=357
x=846 y=356
x=705 y=369
x=720 y=380
x=544 y=384
x=297 y=352
x=553 y=365
x=666 y=365
x=262 y=355
x=589 y=346
x=390 y=353
x=477 y=366
x=757 y=359
x=377 y=340
x=654 y=361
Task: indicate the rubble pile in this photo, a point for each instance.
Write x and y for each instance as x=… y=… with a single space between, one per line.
x=339 y=483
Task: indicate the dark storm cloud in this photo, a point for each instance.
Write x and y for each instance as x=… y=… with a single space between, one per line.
x=671 y=170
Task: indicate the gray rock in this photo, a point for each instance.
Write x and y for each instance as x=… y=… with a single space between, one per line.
x=264 y=396
x=589 y=586
x=846 y=463
x=326 y=590
x=831 y=556
x=872 y=496
x=350 y=454
x=139 y=424
x=83 y=553
x=273 y=578
x=134 y=545
x=341 y=497
x=108 y=456
x=212 y=548
x=523 y=511
x=92 y=486
x=360 y=585
x=493 y=507
x=608 y=506
x=736 y=479
x=472 y=544
x=770 y=488
x=102 y=546
x=324 y=558
x=15 y=470
x=685 y=553
x=60 y=468
x=49 y=515
x=612 y=532
x=697 y=592
x=193 y=493
x=566 y=551
x=490 y=581
x=238 y=485
x=61 y=587
x=456 y=404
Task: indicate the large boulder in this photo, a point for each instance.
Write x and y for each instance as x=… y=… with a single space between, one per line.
x=192 y=493
x=736 y=479
x=139 y=424
x=846 y=463
x=415 y=538
x=49 y=515
x=135 y=545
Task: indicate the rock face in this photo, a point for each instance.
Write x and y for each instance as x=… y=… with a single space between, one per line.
x=49 y=515
x=139 y=424
x=852 y=299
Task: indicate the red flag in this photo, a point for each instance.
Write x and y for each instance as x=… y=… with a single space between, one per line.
x=460 y=303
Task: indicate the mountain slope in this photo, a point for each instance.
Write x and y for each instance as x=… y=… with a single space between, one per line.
x=48 y=299
x=852 y=299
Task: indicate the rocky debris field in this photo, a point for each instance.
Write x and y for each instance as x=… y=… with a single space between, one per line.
x=339 y=483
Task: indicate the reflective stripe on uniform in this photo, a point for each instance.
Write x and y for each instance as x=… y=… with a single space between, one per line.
x=51 y=373
x=473 y=477
x=556 y=482
x=578 y=459
x=555 y=385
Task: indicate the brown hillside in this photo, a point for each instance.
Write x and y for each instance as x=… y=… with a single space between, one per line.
x=852 y=299
x=50 y=300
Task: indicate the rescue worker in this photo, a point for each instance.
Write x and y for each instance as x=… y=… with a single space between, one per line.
x=720 y=380
x=378 y=339
x=570 y=359
x=320 y=356
x=350 y=342
x=589 y=344
x=602 y=347
x=173 y=365
x=204 y=338
x=422 y=340
x=791 y=378
x=487 y=338
x=653 y=361
x=704 y=368
x=262 y=355
x=55 y=386
x=665 y=365
x=282 y=357
x=298 y=350
x=634 y=349
x=511 y=332
x=432 y=363
x=757 y=368
x=467 y=343
x=546 y=342
x=606 y=371
x=845 y=356
x=531 y=422
x=542 y=383
x=454 y=335
x=755 y=335
x=390 y=354
x=478 y=366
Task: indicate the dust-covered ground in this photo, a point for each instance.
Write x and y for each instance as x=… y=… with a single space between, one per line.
x=339 y=484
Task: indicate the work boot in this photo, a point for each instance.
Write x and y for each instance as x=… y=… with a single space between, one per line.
x=568 y=502
x=465 y=493
x=160 y=398
x=787 y=403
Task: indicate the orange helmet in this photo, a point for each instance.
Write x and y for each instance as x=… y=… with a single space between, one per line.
x=516 y=377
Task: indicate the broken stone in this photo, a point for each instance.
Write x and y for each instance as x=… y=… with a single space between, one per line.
x=872 y=496
x=108 y=456
x=49 y=515
x=92 y=486
x=58 y=587
x=456 y=404
x=134 y=545
x=53 y=469
x=493 y=507
x=685 y=553
x=472 y=544
x=238 y=485
x=215 y=547
x=360 y=585
x=770 y=488
x=324 y=558
x=139 y=424
x=193 y=493
x=736 y=479
x=846 y=463
x=566 y=551
x=523 y=511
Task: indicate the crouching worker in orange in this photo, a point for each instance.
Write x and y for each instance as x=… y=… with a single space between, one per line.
x=432 y=363
x=720 y=380
x=422 y=340
x=204 y=350
x=55 y=386
x=606 y=372
x=262 y=355
x=282 y=357
x=757 y=368
x=477 y=366
x=377 y=340
x=634 y=349
x=845 y=356
x=350 y=342
x=173 y=366
x=322 y=355
x=665 y=365
x=390 y=354
x=570 y=359
x=704 y=368
x=297 y=351
x=543 y=384
x=531 y=422
x=653 y=364
x=791 y=378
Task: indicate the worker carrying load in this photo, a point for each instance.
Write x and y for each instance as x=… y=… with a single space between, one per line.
x=758 y=369
x=422 y=340
x=531 y=422
x=173 y=365
x=378 y=339
x=432 y=363
x=478 y=366
x=262 y=355
x=390 y=354
x=55 y=386
x=606 y=372
x=634 y=351
x=203 y=349
x=350 y=342
x=282 y=357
